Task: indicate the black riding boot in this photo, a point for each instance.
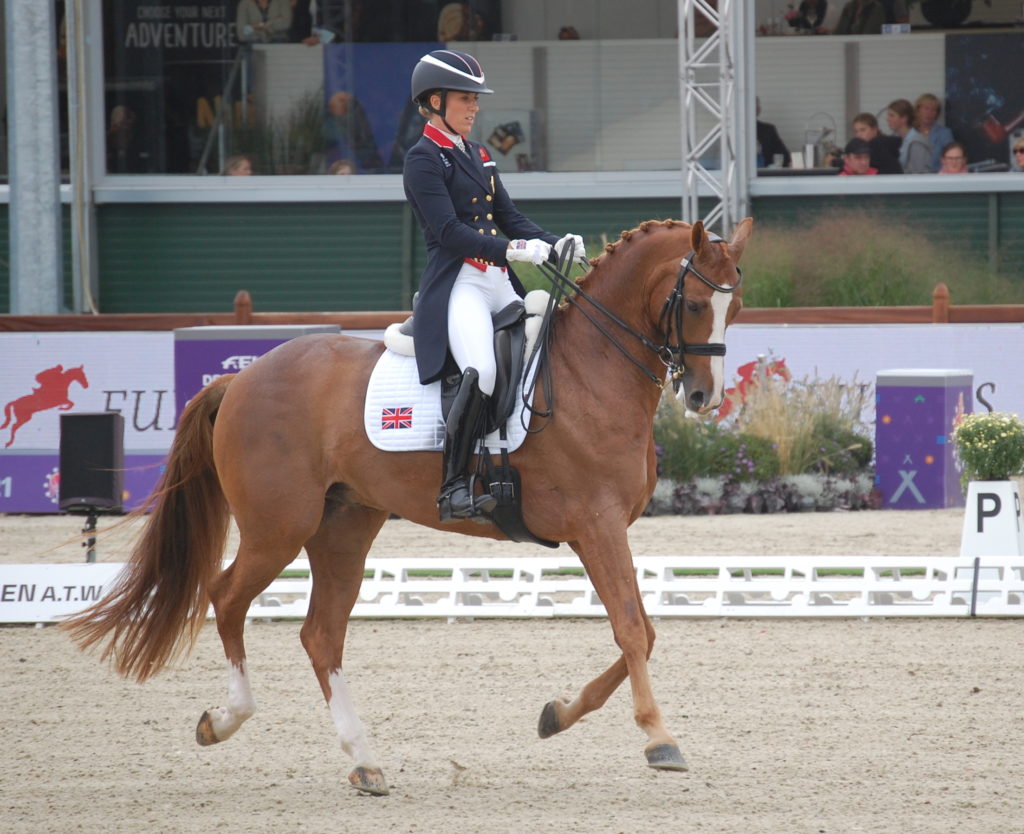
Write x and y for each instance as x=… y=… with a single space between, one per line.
x=455 y=501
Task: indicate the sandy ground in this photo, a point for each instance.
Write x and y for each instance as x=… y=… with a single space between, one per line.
x=789 y=726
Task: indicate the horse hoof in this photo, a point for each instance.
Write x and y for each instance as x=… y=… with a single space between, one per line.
x=205 y=735
x=369 y=780
x=666 y=757
x=549 y=723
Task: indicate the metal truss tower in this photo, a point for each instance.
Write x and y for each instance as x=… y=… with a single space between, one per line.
x=717 y=108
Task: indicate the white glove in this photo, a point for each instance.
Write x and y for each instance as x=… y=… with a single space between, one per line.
x=532 y=251
x=579 y=253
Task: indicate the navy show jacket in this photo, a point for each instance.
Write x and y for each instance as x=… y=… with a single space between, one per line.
x=465 y=213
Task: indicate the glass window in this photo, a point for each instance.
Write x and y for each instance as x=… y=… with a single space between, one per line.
x=294 y=87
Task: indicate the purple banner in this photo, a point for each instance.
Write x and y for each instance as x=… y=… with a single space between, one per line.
x=31 y=483
x=914 y=464
x=200 y=361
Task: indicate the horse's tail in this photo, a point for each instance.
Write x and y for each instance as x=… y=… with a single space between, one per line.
x=155 y=611
x=8 y=410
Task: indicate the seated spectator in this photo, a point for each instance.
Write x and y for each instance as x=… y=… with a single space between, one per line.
x=808 y=16
x=342 y=166
x=1018 y=154
x=238 y=166
x=263 y=21
x=883 y=157
x=769 y=143
x=915 y=150
x=861 y=17
x=926 y=110
x=857 y=159
x=568 y=33
x=954 y=159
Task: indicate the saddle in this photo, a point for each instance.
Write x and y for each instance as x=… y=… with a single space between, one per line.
x=516 y=328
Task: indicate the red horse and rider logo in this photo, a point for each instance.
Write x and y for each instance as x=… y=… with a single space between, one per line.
x=51 y=393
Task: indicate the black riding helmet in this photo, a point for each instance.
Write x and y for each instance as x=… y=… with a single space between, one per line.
x=443 y=70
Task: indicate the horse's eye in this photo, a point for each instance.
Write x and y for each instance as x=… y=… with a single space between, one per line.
x=693 y=306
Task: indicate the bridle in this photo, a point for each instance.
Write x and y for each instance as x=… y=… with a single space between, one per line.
x=671 y=317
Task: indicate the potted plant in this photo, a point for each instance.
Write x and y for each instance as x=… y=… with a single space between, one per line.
x=990 y=447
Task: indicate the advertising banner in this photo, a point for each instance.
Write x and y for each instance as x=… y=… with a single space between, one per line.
x=46 y=374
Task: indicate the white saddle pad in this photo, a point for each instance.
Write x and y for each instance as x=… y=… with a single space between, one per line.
x=403 y=416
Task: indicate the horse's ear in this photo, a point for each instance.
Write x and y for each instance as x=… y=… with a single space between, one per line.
x=698 y=237
x=739 y=239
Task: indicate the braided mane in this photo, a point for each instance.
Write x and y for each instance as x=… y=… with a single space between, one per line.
x=626 y=237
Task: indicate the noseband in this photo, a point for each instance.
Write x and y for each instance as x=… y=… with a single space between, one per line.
x=672 y=316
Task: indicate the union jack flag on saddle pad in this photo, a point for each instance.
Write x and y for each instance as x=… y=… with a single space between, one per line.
x=396 y=418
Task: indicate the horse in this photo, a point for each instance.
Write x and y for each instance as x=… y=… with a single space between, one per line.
x=282 y=446
x=52 y=393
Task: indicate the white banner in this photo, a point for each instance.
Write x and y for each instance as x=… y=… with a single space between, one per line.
x=860 y=351
x=46 y=593
x=43 y=375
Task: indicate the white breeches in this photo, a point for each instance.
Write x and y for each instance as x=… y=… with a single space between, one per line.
x=475 y=296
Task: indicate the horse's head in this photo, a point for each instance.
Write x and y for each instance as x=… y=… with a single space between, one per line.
x=710 y=298
x=76 y=375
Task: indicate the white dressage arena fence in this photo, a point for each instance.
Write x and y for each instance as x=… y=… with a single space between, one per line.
x=672 y=586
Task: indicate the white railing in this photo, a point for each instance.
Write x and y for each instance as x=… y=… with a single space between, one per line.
x=672 y=586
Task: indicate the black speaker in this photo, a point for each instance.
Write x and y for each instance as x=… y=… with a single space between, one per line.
x=91 y=462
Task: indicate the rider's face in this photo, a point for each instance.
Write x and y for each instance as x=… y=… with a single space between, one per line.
x=460 y=111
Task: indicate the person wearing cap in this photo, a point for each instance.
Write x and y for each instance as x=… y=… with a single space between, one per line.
x=857 y=159
x=473 y=232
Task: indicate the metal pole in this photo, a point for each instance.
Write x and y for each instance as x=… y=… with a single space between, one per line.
x=35 y=221
x=80 y=133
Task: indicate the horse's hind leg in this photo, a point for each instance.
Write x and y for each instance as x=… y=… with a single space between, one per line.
x=268 y=544
x=337 y=555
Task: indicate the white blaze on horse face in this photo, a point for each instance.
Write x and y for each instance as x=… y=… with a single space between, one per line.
x=225 y=720
x=720 y=302
x=346 y=722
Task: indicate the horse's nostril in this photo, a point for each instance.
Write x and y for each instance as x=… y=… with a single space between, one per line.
x=696 y=400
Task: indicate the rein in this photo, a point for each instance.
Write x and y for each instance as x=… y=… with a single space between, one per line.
x=671 y=316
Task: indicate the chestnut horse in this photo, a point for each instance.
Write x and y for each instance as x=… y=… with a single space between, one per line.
x=281 y=445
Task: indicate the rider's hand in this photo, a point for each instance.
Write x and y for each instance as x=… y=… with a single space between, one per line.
x=579 y=254
x=532 y=251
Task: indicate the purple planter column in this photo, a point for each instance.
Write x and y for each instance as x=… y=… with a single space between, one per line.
x=201 y=354
x=914 y=414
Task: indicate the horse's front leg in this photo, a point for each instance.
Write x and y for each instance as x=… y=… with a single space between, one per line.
x=609 y=565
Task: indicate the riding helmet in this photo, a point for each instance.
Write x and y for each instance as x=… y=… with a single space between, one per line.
x=447 y=69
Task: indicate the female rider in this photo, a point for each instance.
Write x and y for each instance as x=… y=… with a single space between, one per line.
x=472 y=231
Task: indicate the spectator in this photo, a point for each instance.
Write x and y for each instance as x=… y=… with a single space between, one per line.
x=954 y=159
x=927 y=109
x=1018 y=154
x=342 y=166
x=458 y=22
x=857 y=159
x=238 y=166
x=123 y=155
x=349 y=134
x=915 y=151
x=884 y=151
x=769 y=143
x=568 y=33
x=808 y=16
x=861 y=17
x=320 y=21
x=263 y=21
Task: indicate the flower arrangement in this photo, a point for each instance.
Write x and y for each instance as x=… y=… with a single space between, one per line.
x=990 y=446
